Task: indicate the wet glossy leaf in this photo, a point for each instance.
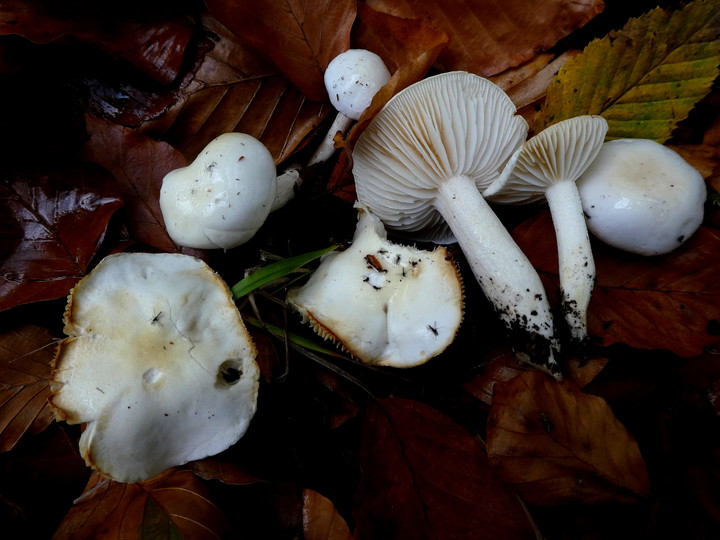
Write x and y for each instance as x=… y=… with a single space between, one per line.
x=301 y=38
x=26 y=355
x=424 y=476
x=557 y=445
x=645 y=78
x=53 y=218
x=176 y=503
x=664 y=302
x=487 y=37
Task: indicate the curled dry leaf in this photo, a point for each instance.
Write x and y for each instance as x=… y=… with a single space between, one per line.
x=493 y=35
x=665 y=302
x=321 y=521
x=175 y=505
x=26 y=355
x=424 y=476
x=557 y=445
x=53 y=217
x=139 y=165
x=301 y=38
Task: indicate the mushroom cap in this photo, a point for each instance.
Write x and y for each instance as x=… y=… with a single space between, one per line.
x=385 y=303
x=158 y=364
x=559 y=153
x=642 y=197
x=223 y=197
x=448 y=125
x=353 y=78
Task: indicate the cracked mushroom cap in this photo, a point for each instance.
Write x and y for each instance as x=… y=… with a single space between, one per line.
x=559 y=153
x=385 y=303
x=158 y=364
x=448 y=125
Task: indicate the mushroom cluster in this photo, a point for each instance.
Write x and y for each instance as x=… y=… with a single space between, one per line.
x=158 y=364
x=386 y=304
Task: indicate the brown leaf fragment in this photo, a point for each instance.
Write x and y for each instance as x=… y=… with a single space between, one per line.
x=321 y=521
x=487 y=37
x=664 y=302
x=53 y=218
x=26 y=355
x=424 y=476
x=175 y=503
x=139 y=165
x=557 y=445
x=301 y=38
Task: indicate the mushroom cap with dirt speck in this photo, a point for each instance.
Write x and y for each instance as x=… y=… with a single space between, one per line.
x=158 y=364
x=385 y=303
x=642 y=197
x=222 y=198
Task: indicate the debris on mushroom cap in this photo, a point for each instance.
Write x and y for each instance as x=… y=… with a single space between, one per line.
x=642 y=197
x=223 y=197
x=547 y=167
x=385 y=303
x=353 y=78
x=158 y=364
x=420 y=166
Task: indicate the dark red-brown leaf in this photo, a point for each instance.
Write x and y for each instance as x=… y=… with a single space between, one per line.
x=424 y=476
x=53 y=218
x=664 y=302
x=26 y=355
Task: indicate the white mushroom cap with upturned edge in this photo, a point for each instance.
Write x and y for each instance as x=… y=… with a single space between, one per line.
x=158 y=364
x=642 y=197
x=420 y=166
x=223 y=197
x=386 y=304
x=546 y=167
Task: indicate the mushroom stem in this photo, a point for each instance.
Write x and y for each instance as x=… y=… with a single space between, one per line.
x=575 y=259
x=503 y=271
x=326 y=148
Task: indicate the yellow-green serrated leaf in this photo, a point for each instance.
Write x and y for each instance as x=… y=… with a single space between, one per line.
x=643 y=79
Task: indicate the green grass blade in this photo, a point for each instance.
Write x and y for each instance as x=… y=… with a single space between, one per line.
x=294 y=338
x=274 y=271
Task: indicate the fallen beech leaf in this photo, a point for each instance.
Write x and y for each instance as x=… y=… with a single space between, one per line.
x=321 y=520
x=664 y=302
x=139 y=165
x=233 y=89
x=645 y=78
x=301 y=38
x=26 y=355
x=53 y=217
x=557 y=445
x=487 y=37
x=424 y=476
x=174 y=505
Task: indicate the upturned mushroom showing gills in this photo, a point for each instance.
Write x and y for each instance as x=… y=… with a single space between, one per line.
x=158 y=364
x=546 y=167
x=642 y=197
x=386 y=304
x=420 y=166
x=223 y=197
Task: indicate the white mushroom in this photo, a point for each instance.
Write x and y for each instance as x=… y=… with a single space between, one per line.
x=642 y=197
x=386 y=304
x=352 y=79
x=421 y=164
x=158 y=364
x=223 y=197
x=546 y=167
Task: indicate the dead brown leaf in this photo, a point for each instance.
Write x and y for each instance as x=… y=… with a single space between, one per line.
x=26 y=355
x=301 y=38
x=487 y=37
x=557 y=445
x=321 y=521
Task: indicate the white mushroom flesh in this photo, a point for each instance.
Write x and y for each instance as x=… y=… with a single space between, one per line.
x=385 y=303
x=223 y=197
x=420 y=165
x=158 y=364
x=642 y=197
